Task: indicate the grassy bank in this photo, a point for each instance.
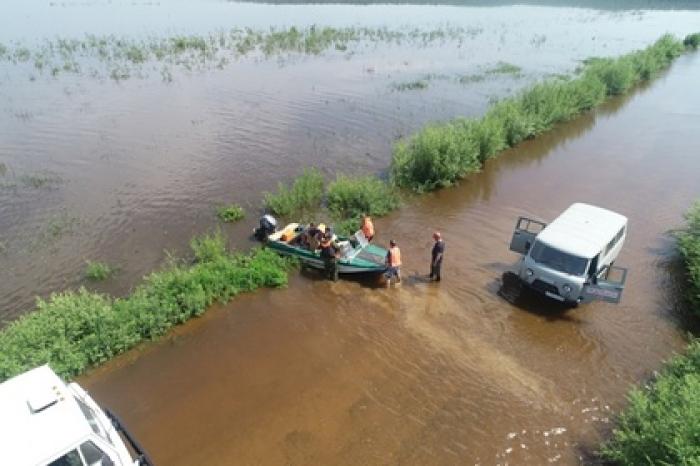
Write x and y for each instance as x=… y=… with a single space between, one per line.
x=76 y=330
x=441 y=154
x=661 y=424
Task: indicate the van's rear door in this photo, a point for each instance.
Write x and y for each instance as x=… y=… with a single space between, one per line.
x=608 y=287
x=524 y=235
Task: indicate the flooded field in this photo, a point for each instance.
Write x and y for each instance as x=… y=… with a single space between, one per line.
x=122 y=171
x=345 y=373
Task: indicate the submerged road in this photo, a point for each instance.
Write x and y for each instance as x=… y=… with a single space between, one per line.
x=449 y=373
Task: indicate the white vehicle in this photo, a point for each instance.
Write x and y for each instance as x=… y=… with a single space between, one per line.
x=571 y=259
x=45 y=421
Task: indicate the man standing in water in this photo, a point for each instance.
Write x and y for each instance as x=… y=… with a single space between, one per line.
x=436 y=256
x=328 y=254
x=393 y=263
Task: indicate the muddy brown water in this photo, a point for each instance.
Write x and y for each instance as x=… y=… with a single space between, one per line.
x=348 y=373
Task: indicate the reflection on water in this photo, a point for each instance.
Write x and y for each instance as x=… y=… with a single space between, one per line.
x=344 y=373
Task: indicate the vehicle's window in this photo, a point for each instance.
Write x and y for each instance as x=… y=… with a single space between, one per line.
x=72 y=458
x=91 y=418
x=558 y=260
x=94 y=455
x=614 y=241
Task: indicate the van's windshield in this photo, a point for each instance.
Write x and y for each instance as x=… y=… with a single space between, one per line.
x=558 y=260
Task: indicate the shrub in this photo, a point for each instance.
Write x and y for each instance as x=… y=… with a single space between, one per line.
x=75 y=330
x=438 y=155
x=98 y=271
x=230 y=213
x=661 y=424
x=692 y=41
x=304 y=195
x=689 y=246
x=351 y=197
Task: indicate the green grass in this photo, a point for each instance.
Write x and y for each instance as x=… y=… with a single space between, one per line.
x=661 y=424
x=350 y=197
x=692 y=41
x=689 y=246
x=230 y=213
x=76 y=330
x=418 y=84
x=441 y=154
x=300 y=199
x=504 y=68
x=98 y=271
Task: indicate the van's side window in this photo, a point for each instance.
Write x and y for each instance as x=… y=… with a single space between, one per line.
x=614 y=241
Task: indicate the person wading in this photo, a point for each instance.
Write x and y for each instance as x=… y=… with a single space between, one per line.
x=436 y=256
x=393 y=263
x=329 y=256
x=367 y=227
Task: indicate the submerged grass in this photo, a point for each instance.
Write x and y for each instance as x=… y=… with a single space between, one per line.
x=118 y=55
x=75 y=330
x=230 y=213
x=98 y=271
x=418 y=84
x=661 y=424
x=439 y=155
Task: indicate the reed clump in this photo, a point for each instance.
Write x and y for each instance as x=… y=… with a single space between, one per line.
x=230 y=213
x=302 y=197
x=439 y=155
x=661 y=424
x=75 y=330
x=98 y=271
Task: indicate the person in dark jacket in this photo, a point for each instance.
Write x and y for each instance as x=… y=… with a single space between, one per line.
x=329 y=254
x=436 y=256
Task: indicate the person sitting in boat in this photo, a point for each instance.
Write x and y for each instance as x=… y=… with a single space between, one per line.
x=367 y=227
x=313 y=237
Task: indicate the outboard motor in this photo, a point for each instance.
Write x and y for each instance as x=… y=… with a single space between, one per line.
x=268 y=225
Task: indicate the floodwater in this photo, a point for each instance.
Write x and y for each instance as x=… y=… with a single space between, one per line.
x=348 y=373
x=449 y=373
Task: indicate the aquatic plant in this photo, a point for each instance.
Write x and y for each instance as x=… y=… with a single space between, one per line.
x=661 y=424
x=230 y=213
x=504 y=68
x=350 y=197
x=75 y=330
x=692 y=40
x=124 y=57
x=98 y=271
x=418 y=84
x=439 y=155
x=301 y=198
x=689 y=246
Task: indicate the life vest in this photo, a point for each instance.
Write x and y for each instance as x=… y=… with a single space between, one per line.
x=367 y=228
x=395 y=257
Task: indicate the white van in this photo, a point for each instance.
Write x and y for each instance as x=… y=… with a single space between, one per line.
x=571 y=259
x=45 y=421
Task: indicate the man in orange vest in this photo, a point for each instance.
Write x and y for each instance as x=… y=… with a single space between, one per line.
x=367 y=227
x=393 y=263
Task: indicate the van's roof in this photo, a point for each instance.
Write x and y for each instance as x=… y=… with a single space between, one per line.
x=40 y=418
x=582 y=230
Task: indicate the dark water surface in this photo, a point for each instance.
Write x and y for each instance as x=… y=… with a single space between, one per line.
x=345 y=373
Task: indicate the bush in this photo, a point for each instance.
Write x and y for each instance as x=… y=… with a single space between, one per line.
x=98 y=271
x=230 y=213
x=351 y=197
x=303 y=196
x=689 y=246
x=692 y=41
x=661 y=425
x=438 y=155
x=75 y=330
